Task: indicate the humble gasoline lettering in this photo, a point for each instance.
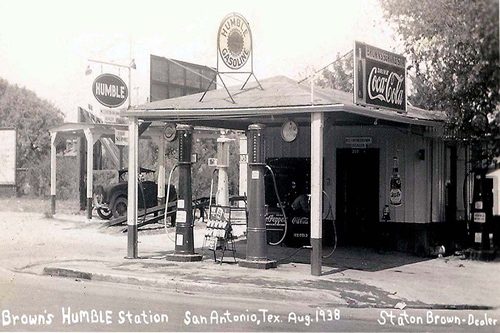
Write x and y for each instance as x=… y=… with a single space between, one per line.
x=234 y=41
x=110 y=90
x=379 y=77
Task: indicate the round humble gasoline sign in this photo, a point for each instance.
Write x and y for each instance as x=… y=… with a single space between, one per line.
x=234 y=41
x=110 y=90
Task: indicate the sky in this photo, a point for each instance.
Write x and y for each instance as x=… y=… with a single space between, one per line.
x=45 y=45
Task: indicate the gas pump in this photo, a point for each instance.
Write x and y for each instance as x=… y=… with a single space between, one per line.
x=222 y=197
x=256 y=230
x=184 y=239
x=482 y=212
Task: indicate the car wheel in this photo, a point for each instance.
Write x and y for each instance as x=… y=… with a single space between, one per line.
x=104 y=213
x=119 y=207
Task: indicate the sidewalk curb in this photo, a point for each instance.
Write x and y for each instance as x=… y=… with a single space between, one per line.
x=246 y=290
x=68 y=273
x=234 y=290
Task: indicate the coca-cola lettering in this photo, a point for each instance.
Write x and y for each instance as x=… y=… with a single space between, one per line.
x=300 y=220
x=380 y=77
x=386 y=86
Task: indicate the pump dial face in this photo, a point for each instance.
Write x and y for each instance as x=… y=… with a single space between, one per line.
x=289 y=131
x=169 y=132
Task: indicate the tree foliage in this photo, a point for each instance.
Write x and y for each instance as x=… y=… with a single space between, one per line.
x=32 y=117
x=339 y=75
x=205 y=147
x=453 y=51
x=202 y=173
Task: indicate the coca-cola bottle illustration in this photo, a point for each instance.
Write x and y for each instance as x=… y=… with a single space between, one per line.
x=360 y=76
x=396 y=195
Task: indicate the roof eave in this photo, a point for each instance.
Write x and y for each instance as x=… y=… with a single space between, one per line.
x=180 y=114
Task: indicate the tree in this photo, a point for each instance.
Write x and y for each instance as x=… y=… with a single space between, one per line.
x=453 y=52
x=32 y=117
x=205 y=147
x=340 y=77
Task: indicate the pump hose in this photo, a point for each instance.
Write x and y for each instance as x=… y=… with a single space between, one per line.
x=281 y=206
x=143 y=199
x=330 y=211
x=167 y=201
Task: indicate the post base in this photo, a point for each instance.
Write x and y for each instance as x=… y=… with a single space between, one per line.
x=183 y=257
x=481 y=255
x=258 y=264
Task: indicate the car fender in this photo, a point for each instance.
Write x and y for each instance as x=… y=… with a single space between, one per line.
x=115 y=196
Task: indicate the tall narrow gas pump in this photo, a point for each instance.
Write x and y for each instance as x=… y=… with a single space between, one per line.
x=184 y=238
x=222 y=198
x=482 y=213
x=256 y=231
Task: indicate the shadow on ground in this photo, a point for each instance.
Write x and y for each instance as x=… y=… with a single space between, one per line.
x=345 y=257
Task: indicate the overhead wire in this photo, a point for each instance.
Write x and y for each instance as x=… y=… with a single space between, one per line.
x=324 y=67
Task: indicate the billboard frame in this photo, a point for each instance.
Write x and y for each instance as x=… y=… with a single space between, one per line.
x=391 y=61
x=6 y=184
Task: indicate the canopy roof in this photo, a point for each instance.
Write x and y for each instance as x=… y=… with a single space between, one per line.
x=281 y=98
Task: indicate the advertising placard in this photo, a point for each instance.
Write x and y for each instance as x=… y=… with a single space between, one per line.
x=121 y=137
x=110 y=90
x=234 y=41
x=110 y=116
x=379 y=77
x=8 y=156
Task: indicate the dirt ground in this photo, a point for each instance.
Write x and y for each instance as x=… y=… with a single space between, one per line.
x=38 y=205
x=30 y=238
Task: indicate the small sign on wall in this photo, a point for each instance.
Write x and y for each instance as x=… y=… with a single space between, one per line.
x=121 y=137
x=111 y=116
x=358 y=142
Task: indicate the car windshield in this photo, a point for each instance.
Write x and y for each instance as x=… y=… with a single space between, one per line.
x=144 y=174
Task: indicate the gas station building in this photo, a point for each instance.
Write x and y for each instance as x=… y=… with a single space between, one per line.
x=351 y=151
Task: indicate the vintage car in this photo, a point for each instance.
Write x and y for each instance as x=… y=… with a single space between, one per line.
x=112 y=200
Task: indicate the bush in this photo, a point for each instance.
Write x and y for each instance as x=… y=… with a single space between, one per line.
x=36 y=180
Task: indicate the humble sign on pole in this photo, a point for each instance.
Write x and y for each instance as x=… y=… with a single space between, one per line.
x=110 y=90
x=234 y=41
x=234 y=49
x=379 y=77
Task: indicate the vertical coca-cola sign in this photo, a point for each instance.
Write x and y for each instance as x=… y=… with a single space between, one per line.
x=379 y=77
